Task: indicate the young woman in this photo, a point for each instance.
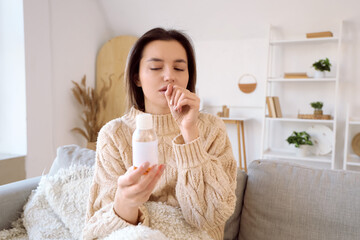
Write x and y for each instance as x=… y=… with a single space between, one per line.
x=196 y=170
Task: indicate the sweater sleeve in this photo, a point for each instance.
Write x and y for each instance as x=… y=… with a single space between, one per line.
x=101 y=219
x=206 y=178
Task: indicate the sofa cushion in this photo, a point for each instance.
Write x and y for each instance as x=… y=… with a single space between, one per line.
x=71 y=155
x=287 y=201
x=233 y=223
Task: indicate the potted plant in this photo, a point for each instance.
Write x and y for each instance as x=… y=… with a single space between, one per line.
x=92 y=105
x=317 y=108
x=320 y=67
x=302 y=142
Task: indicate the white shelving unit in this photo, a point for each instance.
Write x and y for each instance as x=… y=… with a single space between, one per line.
x=304 y=41
x=352 y=127
x=301 y=80
x=271 y=144
x=294 y=119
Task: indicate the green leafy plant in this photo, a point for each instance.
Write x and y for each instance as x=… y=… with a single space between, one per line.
x=322 y=65
x=317 y=105
x=299 y=138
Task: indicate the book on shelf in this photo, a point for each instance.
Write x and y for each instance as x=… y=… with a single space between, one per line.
x=319 y=34
x=277 y=107
x=296 y=75
x=273 y=105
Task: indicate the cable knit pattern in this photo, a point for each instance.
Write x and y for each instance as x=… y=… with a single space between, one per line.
x=200 y=176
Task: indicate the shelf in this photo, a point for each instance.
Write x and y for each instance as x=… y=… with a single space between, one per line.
x=293 y=119
x=354 y=121
x=231 y=119
x=353 y=164
x=293 y=156
x=306 y=40
x=353 y=160
x=302 y=79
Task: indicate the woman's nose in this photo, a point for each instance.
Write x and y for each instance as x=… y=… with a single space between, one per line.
x=169 y=75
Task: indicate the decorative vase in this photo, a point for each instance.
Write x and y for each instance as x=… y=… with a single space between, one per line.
x=319 y=74
x=91 y=145
x=303 y=151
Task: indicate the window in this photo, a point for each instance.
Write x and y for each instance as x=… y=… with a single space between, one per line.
x=12 y=79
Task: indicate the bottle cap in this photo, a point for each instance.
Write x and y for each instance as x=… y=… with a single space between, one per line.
x=144 y=121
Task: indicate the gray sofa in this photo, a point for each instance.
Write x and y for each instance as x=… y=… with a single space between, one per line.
x=276 y=200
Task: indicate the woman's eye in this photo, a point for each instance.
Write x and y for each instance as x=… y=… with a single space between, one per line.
x=179 y=69
x=155 y=68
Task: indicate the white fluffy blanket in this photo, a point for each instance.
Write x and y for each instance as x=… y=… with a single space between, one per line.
x=56 y=210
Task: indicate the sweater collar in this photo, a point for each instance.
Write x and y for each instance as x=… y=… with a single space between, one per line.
x=163 y=124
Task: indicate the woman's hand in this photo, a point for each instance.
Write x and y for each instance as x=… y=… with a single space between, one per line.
x=184 y=106
x=134 y=189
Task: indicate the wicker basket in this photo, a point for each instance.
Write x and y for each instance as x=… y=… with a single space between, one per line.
x=312 y=116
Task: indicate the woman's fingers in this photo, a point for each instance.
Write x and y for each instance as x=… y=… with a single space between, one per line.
x=187 y=102
x=132 y=176
x=142 y=186
x=135 y=187
x=175 y=97
x=189 y=96
x=154 y=181
x=168 y=93
x=174 y=94
x=179 y=93
x=145 y=194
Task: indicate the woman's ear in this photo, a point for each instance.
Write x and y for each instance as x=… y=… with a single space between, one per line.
x=137 y=80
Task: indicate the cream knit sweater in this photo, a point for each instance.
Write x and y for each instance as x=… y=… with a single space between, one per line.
x=200 y=176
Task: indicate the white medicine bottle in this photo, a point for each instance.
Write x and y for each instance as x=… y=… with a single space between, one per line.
x=144 y=142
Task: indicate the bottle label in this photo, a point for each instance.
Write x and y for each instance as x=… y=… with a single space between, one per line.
x=145 y=152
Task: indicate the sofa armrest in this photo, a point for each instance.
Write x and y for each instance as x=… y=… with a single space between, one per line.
x=232 y=225
x=13 y=197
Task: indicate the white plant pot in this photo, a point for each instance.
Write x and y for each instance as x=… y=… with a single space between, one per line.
x=304 y=151
x=319 y=74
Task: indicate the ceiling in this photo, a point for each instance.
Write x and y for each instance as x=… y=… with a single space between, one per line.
x=224 y=20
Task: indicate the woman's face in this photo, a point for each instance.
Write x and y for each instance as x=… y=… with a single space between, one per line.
x=162 y=63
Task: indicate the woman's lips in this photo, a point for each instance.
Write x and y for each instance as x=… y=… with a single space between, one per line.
x=163 y=89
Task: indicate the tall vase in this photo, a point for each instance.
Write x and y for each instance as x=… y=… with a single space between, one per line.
x=303 y=151
x=91 y=145
x=319 y=74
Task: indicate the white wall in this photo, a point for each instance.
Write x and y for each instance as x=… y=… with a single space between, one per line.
x=220 y=64
x=12 y=79
x=39 y=95
x=63 y=37
x=61 y=42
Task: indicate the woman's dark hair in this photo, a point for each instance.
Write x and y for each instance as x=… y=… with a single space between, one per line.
x=134 y=94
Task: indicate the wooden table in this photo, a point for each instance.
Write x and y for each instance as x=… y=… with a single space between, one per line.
x=239 y=121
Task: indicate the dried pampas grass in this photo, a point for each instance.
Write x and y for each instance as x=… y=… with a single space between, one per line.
x=92 y=104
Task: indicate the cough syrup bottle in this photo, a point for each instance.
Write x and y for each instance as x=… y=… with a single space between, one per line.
x=144 y=142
